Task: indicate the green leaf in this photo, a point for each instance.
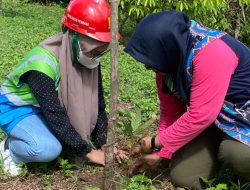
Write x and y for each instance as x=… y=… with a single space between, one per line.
x=136 y=119
x=221 y=187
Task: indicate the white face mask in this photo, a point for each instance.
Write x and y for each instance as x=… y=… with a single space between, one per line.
x=90 y=63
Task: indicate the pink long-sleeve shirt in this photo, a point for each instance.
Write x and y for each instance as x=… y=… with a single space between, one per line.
x=213 y=67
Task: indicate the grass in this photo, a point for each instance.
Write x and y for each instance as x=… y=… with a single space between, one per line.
x=22 y=27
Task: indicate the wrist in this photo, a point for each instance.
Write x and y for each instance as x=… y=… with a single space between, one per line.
x=153 y=143
x=88 y=154
x=158 y=143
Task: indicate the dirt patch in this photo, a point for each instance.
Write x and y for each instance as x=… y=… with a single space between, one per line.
x=53 y=178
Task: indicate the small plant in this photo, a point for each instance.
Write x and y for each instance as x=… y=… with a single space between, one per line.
x=218 y=187
x=66 y=167
x=133 y=126
x=137 y=182
x=207 y=183
x=24 y=169
x=47 y=179
x=140 y=182
x=211 y=185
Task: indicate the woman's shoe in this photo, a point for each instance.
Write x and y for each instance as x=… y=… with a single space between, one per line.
x=7 y=164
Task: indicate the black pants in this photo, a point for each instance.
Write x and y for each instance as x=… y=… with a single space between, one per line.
x=201 y=157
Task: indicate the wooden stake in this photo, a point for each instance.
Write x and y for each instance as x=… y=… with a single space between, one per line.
x=109 y=148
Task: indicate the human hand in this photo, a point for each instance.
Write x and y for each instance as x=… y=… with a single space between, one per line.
x=150 y=161
x=96 y=157
x=143 y=147
x=120 y=155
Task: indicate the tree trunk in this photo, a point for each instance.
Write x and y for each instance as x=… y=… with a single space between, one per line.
x=109 y=148
x=241 y=18
x=237 y=28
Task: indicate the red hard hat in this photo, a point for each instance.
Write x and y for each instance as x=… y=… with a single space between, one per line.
x=89 y=17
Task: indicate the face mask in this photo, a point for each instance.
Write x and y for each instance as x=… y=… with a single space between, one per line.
x=90 y=63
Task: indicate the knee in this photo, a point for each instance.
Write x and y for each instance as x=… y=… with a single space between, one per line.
x=189 y=182
x=48 y=153
x=42 y=152
x=235 y=156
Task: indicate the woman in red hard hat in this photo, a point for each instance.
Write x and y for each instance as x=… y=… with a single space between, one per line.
x=54 y=97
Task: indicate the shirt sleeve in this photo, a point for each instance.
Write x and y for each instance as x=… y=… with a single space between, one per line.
x=171 y=108
x=56 y=116
x=212 y=70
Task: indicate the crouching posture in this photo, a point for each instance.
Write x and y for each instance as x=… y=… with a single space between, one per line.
x=54 y=97
x=203 y=82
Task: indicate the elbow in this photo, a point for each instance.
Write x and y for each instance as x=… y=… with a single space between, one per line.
x=203 y=118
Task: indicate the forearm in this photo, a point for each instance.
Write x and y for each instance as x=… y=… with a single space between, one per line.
x=171 y=108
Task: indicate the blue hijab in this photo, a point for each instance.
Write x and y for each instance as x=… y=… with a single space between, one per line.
x=162 y=41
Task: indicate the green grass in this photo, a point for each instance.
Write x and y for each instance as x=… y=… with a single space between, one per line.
x=22 y=27
x=136 y=85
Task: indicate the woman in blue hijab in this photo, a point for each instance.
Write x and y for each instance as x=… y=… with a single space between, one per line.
x=203 y=82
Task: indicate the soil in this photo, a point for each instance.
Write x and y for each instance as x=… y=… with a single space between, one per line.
x=54 y=178
x=53 y=181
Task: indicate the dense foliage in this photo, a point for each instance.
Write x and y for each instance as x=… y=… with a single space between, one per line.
x=232 y=16
x=46 y=2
